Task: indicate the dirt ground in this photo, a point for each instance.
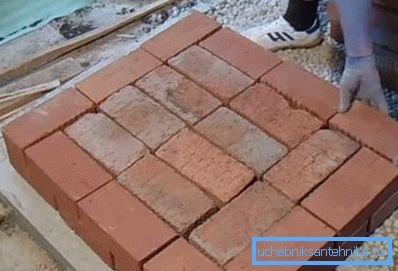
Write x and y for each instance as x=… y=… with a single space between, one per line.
x=18 y=251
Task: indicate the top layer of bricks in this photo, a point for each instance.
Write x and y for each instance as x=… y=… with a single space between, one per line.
x=174 y=156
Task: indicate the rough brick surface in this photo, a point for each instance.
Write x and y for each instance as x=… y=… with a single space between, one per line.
x=63 y=173
x=106 y=141
x=40 y=122
x=206 y=165
x=272 y=113
x=169 y=194
x=117 y=75
x=182 y=34
x=310 y=163
x=180 y=256
x=298 y=222
x=143 y=117
x=383 y=212
x=242 y=139
x=178 y=94
x=229 y=232
x=123 y=225
x=242 y=53
x=348 y=198
x=370 y=127
x=206 y=70
x=304 y=88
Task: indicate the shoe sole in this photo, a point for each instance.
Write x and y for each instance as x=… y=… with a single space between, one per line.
x=312 y=44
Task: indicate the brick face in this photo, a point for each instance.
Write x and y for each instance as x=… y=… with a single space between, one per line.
x=206 y=70
x=180 y=256
x=63 y=173
x=147 y=120
x=310 y=163
x=298 y=222
x=117 y=75
x=304 y=89
x=165 y=191
x=241 y=139
x=42 y=121
x=383 y=212
x=365 y=123
x=272 y=113
x=206 y=165
x=123 y=226
x=183 y=34
x=106 y=141
x=242 y=53
x=178 y=94
x=355 y=191
x=229 y=232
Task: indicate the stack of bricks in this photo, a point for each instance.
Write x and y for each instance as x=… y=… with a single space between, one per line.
x=174 y=156
x=385 y=37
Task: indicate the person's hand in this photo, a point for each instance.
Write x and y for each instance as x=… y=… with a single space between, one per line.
x=361 y=80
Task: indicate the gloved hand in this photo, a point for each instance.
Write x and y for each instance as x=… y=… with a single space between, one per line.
x=361 y=80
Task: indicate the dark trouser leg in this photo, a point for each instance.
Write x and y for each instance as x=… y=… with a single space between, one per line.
x=301 y=14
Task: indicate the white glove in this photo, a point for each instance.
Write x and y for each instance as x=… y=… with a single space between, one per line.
x=361 y=80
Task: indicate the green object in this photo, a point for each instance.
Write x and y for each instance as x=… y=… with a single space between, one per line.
x=18 y=17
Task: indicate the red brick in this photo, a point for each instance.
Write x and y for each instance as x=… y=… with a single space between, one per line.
x=40 y=122
x=229 y=232
x=184 y=33
x=168 y=193
x=354 y=191
x=117 y=75
x=106 y=141
x=212 y=73
x=147 y=120
x=383 y=212
x=123 y=226
x=178 y=94
x=206 y=165
x=304 y=89
x=271 y=112
x=241 y=139
x=298 y=222
x=180 y=256
x=240 y=52
x=63 y=173
x=310 y=163
x=369 y=126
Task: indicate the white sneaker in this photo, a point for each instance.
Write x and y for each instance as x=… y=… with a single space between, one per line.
x=281 y=35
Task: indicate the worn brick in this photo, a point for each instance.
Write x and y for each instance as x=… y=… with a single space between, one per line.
x=229 y=232
x=207 y=70
x=40 y=122
x=383 y=212
x=298 y=222
x=206 y=165
x=369 y=126
x=247 y=56
x=242 y=139
x=178 y=94
x=355 y=191
x=123 y=226
x=117 y=75
x=180 y=256
x=168 y=193
x=143 y=117
x=310 y=163
x=271 y=112
x=304 y=89
x=63 y=173
x=106 y=141
x=184 y=33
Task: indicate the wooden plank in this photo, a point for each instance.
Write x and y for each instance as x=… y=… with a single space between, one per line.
x=42 y=58
x=6 y=97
